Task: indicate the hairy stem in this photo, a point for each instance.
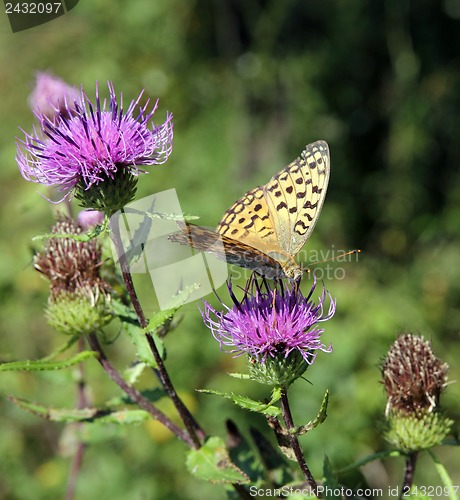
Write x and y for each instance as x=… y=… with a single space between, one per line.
x=194 y=430
x=135 y=395
x=127 y=278
x=294 y=442
x=192 y=426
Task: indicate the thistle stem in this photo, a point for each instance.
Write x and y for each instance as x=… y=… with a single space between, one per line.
x=411 y=462
x=192 y=426
x=127 y=278
x=82 y=402
x=135 y=395
x=194 y=430
x=294 y=442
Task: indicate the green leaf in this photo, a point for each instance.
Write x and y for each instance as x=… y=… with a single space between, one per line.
x=139 y=340
x=160 y=318
x=130 y=323
x=248 y=403
x=44 y=364
x=212 y=463
x=241 y=376
x=121 y=417
x=124 y=417
x=83 y=237
x=125 y=313
x=320 y=418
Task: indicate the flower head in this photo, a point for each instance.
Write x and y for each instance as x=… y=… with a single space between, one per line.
x=93 y=144
x=414 y=379
x=70 y=264
x=80 y=300
x=271 y=322
x=52 y=96
x=412 y=375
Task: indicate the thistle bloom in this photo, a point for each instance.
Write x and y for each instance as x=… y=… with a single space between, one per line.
x=413 y=376
x=80 y=300
x=271 y=322
x=414 y=379
x=89 y=145
x=52 y=96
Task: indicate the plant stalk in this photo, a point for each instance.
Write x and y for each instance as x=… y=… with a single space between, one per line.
x=194 y=430
x=294 y=442
x=135 y=395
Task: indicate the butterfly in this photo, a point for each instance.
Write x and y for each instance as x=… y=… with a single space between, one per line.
x=265 y=229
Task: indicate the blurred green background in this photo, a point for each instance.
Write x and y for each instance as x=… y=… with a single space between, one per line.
x=250 y=82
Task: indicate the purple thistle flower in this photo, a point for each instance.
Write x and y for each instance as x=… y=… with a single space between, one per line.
x=87 y=144
x=269 y=322
x=51 y=96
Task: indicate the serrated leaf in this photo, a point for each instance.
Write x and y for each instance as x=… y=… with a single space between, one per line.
x=105 y=415
x=125 y=313
x=160 y=318
x=248 y=403
x=44 y=364
x=94 y=232
x=130 y=323
x=212 y=463
x=139 y=340
x=125 y=417
x=53 y=414
x=242 y=376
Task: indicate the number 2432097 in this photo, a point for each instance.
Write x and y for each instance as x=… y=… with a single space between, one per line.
x=33 y=7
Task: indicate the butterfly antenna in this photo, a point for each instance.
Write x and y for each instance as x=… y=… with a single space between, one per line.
x=351 y=252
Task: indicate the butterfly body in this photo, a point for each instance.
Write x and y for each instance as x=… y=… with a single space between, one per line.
x=266 y=228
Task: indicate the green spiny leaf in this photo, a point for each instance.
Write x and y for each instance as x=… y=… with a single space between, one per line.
x=139 y=340
x=44 y=364
x=125 y=313
x=248 y=403
x=105 y=415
